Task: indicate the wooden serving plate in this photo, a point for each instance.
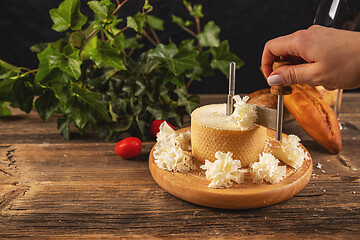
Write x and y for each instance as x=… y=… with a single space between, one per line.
x=193 y=186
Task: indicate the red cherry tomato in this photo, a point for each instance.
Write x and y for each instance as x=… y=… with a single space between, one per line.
x=155 y=125
x=128 y=148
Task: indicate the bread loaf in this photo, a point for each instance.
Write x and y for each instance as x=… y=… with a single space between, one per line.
x=315 y=116
x=304 y=115
x=263 y=98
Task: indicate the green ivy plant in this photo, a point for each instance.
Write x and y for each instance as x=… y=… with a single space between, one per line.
x=92 y=77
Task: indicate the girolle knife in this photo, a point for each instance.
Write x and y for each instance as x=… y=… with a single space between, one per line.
x=266 y=116
x=280 y=91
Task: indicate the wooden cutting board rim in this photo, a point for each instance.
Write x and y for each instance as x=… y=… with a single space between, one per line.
x=193 y=188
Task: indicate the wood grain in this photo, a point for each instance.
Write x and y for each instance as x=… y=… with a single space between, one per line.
x=51 y=188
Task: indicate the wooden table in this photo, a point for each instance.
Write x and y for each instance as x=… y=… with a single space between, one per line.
x=79 y=189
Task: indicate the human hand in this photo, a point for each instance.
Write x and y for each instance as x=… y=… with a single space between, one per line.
x=331 y=58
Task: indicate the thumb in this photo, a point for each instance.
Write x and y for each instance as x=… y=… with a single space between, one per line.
x=292 y=74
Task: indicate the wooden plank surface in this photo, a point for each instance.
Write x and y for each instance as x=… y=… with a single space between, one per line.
x=79 y=189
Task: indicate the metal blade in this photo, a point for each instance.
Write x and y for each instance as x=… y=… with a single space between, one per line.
x=266 y=117
x=230 y=100
x=279 y=117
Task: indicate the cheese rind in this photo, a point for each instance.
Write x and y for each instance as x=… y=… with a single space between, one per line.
x=267 y=168
x=213 y=131
x=224 y=171
x=291 y=151
x=172 y=151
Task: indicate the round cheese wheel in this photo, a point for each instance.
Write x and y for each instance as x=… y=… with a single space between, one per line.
x=212 y=131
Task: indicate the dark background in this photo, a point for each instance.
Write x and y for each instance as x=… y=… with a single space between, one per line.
x=246 y=24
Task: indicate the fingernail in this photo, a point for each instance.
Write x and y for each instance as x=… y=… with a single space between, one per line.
x=274 y=80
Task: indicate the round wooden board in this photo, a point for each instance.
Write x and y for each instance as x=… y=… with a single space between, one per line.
x=194 y=188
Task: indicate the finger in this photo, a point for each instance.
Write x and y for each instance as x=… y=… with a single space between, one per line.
x=267 y=60
x=282 y=46
x=293 y=74
x=293 y=59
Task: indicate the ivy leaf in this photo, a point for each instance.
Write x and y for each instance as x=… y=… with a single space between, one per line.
x=222 y=58
x=19 y=91
x=156 y=111
x=68 y=61
x=136 y=22
x=67 y=15
x=203 y=69
x=106 y=130
x=163 y=52
x=85 y=107
x=76 y=39
x=197 y=11
x=5 y=65
x=6 y=89
x=187 y=4
x=124 y=43
x=177 y=62
x=148 y=65
x=119 y=104
x=141 y=126
x=170 y=77
x=64 y=127
x=105 y=54
x=190 y=103
x=8 y=70
x=91 y=45
x=209 y=37
x=63 y=93
x=56 y=76
x=100 y=78
x=51 y=58
x=140 y=89
x=39 y=47
x=24 y=93
x=102 y=9
x=203 y=59
x=123 y=123
x=44 y=69
x=46 y=104
x=147 y=6
x=132 y=43
x=119 y=41
x=182 y=61
x=155 y=23
x=4 y=110
x=73 y=62
x=187 y=45
x=59 y=44
x=180 y=22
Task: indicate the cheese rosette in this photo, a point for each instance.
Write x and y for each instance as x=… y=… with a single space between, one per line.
x=172 y=151
x=267 y=168
x=290 y=151
x=244 y=115
x=224 y=171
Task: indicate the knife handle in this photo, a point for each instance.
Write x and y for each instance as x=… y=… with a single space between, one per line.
x=280 y=90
